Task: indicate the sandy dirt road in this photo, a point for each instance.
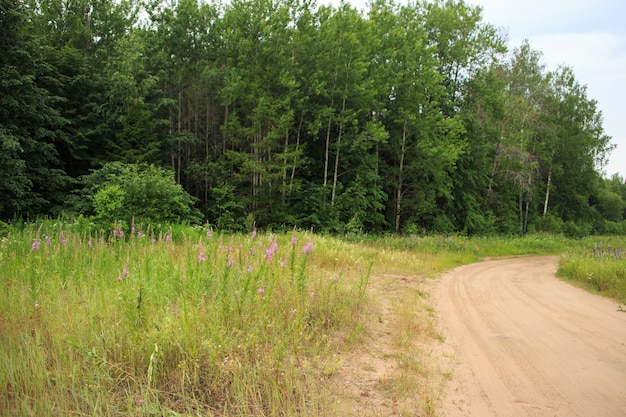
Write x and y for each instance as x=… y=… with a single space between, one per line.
x=524 y=343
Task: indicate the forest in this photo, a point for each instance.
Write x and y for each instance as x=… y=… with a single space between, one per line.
x=401 y=118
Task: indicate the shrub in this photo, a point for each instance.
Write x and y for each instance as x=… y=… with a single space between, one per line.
x=120 y=192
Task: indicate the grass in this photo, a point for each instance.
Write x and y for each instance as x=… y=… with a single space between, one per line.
x=598 y=265
x=155 y=324
x=181 y=321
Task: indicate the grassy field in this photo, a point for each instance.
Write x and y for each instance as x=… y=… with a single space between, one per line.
x=597 y=264
x=186 y=321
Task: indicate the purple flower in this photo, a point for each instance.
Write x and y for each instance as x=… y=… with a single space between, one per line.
x=231 y=263
x=35 y=246
x=89 y=243
x=253 y=233
x=282 y=264
x=139 y=234
x=48 y=241
x=261 y=290
x=250 y=268
x=269 y=252
x=168 y=237
x=209 y=233
x=201 y=257
x=307 y=248
x=124 y=274
x=62 y=239
x=294 y=240
x=121 y=233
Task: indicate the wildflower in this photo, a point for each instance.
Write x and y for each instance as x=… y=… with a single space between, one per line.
x=253 y=233
x=307 y=248
x=121 y=233
x=261 y=290
x=201 y=257
x=250 y=268
x=115 y=233
x=139 y=234
x=62 y=239
x=269 y=252
x=168 y=237
x=89 y=243
x=124 y=274
x=35 y=246
x=48 y=241
x=294 y=240
x=231 y=263
x=282 y=264
x=209 y=233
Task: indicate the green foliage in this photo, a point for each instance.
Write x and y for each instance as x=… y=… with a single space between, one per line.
x=401 y=117
x=188 y=323
x=225 y=208
x=599 y=266
x=145 y=193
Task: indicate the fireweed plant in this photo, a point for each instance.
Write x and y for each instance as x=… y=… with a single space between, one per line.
x=147 y=321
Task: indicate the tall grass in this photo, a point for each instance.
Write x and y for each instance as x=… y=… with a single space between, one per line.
x=172 y=320
x=598 y=265
x=181 y=321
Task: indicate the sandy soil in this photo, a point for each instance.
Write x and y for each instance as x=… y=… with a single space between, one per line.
x=524 y=343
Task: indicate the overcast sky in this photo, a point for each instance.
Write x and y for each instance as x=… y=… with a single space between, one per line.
x=587 y=35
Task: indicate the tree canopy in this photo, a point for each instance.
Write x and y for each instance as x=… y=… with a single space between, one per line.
x=400 y=118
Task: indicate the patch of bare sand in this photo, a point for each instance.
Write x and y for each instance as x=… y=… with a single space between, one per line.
x=528 y=344
x=390 y=371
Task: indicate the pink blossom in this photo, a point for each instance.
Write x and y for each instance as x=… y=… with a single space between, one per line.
x=308 y=248
x=201 y=257
x=294 y=240
x=250 y=268
x=261 y=290
x=269 y=252
x=209 y=233
x=253 y=233
x=124 y=274
x=35 y=246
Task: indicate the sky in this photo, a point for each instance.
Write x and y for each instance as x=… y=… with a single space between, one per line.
x=587 y=35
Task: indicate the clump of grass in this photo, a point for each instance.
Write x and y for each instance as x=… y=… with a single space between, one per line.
x=151 y=321
x=597 y=266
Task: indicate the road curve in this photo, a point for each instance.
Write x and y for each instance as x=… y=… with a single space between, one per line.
x=524 y=343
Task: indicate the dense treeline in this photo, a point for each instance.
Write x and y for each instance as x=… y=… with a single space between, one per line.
x=402 y=118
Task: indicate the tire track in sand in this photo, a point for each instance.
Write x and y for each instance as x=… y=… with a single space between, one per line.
x=528 y=344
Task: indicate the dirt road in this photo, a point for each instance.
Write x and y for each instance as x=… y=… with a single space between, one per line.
x=524 y=343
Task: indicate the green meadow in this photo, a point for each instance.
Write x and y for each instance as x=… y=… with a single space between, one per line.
x=187 y=321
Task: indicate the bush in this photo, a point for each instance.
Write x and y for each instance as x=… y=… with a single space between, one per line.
x=148 y=194
x=550 y=224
